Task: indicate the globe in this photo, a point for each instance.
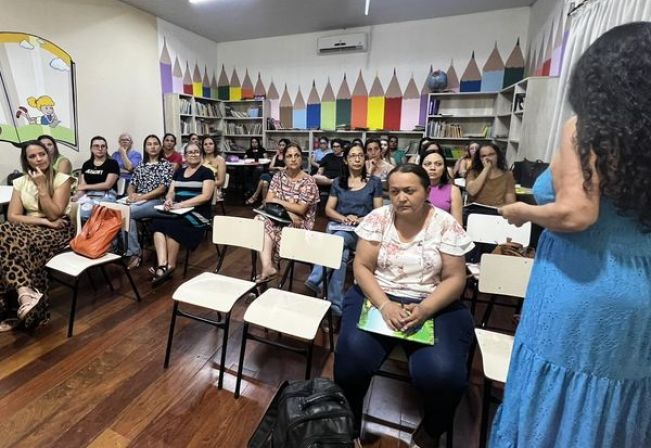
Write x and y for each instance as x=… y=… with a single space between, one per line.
x=437 y=81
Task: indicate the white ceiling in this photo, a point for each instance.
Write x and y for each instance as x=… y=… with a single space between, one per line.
x=227 y=20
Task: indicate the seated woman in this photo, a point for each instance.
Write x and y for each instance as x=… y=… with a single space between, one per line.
x=442 y=193
x=352 y=196
x=319 y=153
x=464 y=164
x=410 y=265
x=36 y=230
x=192 y=186
x=375 y=164
x=331 y=165
x=99 y=174
x=255 y=152
x=126 y=157
x=147 y=188
x=60 y=164
x=194 y=138
x=298 y=193
x=170 y=153
x=277 y=164
x=215 y=163
x=489 y=182
x=386 y=154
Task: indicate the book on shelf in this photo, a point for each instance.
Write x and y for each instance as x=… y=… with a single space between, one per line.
x=243 y=129
x=371 y=320
x=208 y=109
x=434 y=105
x=185 y=106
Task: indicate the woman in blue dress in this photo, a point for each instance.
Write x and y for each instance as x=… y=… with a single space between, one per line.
x=580 y=372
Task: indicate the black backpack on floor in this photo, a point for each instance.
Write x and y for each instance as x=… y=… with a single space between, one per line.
x=306 y=414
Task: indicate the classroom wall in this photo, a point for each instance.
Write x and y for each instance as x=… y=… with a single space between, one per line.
x=115 y=47
x=541 y=12
x=409 y=47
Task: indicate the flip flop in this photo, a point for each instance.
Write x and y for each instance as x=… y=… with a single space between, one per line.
x=158 y=279
x=9 y=324
x=261 y=280
x=27 y=307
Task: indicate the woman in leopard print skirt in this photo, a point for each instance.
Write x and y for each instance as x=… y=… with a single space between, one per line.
x=37 y=229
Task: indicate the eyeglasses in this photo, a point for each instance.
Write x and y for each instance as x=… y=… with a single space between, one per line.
x=355 y=156
x=193 y=153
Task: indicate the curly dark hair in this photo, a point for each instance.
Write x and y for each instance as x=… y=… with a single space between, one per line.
x=477 y=166
x=610 y=92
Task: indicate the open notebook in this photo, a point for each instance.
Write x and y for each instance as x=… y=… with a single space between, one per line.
x=371 y=320
x=175 y=211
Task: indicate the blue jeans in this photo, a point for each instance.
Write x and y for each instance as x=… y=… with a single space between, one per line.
x=336 y=283
x=140 y=211
x=93 y=198
x=439 y=372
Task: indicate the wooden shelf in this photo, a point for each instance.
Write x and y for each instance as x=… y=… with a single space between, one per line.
x=465 y=139
x=444 y=94
x=288 y=131
x=208 y=117
x=243 y=118
x=241 y=101
x=463 y=116
x=187 y=115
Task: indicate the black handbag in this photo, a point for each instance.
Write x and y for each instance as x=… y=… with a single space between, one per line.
x=306 y=414
x=526 y=171
x=276 y=212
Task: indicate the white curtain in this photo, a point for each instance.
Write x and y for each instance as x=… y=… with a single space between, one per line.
x=586 y=25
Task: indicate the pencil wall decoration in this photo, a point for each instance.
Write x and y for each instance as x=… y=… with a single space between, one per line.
x=547 y=60
x=343 y=104
x=424 y=99
x=492 y=78
x=223 y=87
x=206 y=83
x=274 y=102
x=560 y=42
x=259 y=91
x=214 y=90
x=235 y=88
x=286 y=110
x=375 y=118
x=328 y=113
x=392 y=104
x=453 y=79
x=359 y=104
x=167 y=85
x=197 y=83
x=247 y=87
x=410 y=106
x=313 y=120
x=541 y=58
x=187 y=80
x=300 y=113
x=471 y=78
x=177 y=77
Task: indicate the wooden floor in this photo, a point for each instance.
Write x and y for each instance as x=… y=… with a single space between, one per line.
x=106 y=386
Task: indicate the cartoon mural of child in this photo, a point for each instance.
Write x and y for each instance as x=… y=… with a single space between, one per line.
x=45 y=104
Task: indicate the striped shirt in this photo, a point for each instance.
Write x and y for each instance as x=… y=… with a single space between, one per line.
x=190 y=187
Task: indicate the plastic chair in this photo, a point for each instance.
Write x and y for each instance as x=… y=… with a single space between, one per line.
x=220 y=201
x=219 y=292
x=121 y=186
x=73 y=265
x=501 y=275
x=289 y=313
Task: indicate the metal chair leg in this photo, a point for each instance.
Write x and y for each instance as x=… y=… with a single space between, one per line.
x=485 y=409
x=308 y=368
x=73 y=307
x=106 y=277
x=171 y=335
x=91 y=281
x=222 y=363
x=187 y=261
x=240 y=366
x=133 y=284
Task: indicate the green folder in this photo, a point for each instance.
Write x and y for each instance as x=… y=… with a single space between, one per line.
x=371 y=320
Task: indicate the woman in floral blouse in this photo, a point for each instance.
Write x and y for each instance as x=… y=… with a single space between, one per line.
x=410 y=265
x=147 y=189
x=298 y=193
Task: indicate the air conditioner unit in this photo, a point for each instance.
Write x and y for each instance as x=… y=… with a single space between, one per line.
x=348 y=43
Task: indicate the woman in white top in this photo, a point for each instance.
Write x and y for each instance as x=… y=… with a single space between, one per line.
x=36 y=230
x=409 y=264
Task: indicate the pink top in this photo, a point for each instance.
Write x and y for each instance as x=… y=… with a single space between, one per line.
x=440 y=196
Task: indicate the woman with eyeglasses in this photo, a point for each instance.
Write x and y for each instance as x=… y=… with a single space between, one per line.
x=192 y=186
x=98 y=178
x=298 y=193
x=353 y=195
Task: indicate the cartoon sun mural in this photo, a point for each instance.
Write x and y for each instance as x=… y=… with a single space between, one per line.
x=38 y=90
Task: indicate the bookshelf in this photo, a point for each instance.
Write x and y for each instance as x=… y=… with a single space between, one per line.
x=186 y=114
x=242 y=120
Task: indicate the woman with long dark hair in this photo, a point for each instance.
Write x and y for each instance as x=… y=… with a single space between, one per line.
x=60 y=163
x=489 y=182
x=580 y=371
x=37 y=229
x=442 y=193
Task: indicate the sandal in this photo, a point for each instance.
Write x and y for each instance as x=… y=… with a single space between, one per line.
x=262 y=279
x=252 y=200
x=9 y=324
x=160 y=278
x=28 y=303
x=134 y=262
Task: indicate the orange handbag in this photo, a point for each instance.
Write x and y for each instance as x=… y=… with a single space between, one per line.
x=98 y=233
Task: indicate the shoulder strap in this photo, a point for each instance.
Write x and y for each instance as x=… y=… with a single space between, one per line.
x=260 y=437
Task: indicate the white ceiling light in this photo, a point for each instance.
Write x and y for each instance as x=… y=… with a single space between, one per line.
x=198 y=1
x=368 y=4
